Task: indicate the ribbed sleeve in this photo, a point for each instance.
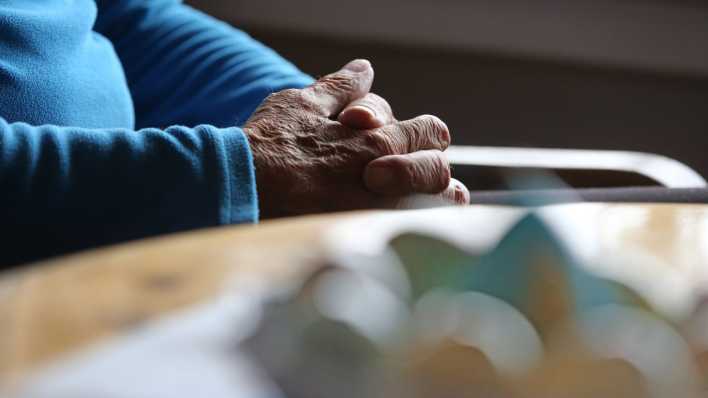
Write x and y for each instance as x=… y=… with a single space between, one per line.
x=65 y=189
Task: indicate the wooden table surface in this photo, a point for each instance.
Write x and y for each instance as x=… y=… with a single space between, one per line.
x=53 y=308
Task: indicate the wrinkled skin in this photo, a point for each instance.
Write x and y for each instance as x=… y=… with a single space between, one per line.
x=333 y=146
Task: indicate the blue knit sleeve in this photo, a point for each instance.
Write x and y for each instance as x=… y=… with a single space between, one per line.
x=65 y=189
x=184 y=67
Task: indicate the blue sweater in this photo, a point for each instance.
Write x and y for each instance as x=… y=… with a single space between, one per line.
x=94 y=100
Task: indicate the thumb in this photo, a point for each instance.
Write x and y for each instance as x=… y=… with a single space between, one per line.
x=335 y=91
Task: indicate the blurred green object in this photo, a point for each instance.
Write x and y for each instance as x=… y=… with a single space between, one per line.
x=529 y=269
x=432 y=263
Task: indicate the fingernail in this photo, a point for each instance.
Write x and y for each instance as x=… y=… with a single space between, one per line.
x=358 y=65
x=379 y=178
x=461 y=195
x=444 y=132
x=362 y=108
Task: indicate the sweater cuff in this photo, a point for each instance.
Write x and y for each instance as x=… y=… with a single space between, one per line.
x=239 y=202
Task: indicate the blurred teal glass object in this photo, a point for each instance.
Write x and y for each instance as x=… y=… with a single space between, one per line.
x=529 y=269
x=432 y=263
x=529 y=255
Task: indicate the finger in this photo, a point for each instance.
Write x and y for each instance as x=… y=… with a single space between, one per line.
x=422 y=133
x=456 y=193
x=418 y=172
x=367 y=113
x=335 y=91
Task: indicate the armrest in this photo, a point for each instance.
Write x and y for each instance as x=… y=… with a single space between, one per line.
x=491 y=168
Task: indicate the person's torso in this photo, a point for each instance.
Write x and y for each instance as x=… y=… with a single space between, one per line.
x=54 y=69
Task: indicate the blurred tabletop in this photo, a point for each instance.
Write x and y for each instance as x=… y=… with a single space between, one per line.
x=53 y=308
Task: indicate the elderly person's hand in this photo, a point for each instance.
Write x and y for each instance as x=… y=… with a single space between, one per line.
x=307 y=161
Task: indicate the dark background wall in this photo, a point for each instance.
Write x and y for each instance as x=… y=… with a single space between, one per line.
x=649 y=100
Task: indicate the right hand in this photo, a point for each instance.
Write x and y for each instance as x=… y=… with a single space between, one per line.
x=306 y=162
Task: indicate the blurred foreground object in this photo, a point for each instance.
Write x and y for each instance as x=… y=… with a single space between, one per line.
x=578 y=300
x=525 y=319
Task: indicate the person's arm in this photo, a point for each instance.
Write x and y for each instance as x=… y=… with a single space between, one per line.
x=64 y=189
x=184 y=67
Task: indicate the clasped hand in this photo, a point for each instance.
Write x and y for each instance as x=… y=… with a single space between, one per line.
x=334 y=146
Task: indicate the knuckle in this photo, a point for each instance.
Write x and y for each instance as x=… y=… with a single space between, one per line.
x=284 y=99
x=410 y=133
x=311 y=105
x=425 y=122
x=275 y=103
x=435 y=130
x=290 y=95
x=337 y=82
x=380 y=142
x=302 y=99
x=441 y=172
